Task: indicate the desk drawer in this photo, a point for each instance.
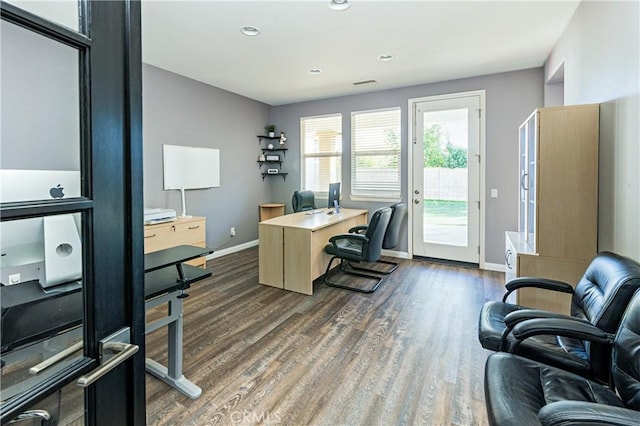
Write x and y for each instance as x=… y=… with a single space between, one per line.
x=179 y=232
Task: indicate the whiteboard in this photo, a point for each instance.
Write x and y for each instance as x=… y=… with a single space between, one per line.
x=190 y=167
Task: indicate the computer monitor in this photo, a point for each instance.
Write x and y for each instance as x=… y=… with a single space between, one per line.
x=334 y=195
x=47 y=248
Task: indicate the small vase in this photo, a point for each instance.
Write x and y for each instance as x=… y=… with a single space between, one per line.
x=272 y=134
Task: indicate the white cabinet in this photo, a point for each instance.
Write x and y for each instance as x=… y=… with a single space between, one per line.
x=558 y=201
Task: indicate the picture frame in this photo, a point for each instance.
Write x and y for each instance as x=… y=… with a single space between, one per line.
x=273 y=157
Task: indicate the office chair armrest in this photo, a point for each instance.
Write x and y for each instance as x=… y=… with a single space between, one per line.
x=352 y=237
x=358 y=239
x=516 y=317
x=559 y=327
x=567 y=413
x=543 y=283
x=359 y=229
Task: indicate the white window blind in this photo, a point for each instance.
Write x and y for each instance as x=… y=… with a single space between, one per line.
x=321 y=152
x=375 y=154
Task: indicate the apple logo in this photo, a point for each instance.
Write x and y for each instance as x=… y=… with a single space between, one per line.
x=57 y=192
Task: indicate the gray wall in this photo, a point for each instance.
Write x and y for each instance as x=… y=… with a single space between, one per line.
x=181 y=111
x=510 y=99
x=601 y=53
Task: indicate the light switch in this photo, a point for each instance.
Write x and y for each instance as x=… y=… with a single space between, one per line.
x=494 y=193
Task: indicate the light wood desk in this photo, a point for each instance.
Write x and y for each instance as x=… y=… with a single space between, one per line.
x=292 y=246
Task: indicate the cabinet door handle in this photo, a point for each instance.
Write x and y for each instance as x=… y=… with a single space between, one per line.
x=150 y=236
x=194 y=227
x=507 y=258
x=523 y=181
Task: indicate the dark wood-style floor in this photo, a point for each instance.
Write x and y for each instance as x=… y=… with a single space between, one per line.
x=406 y=354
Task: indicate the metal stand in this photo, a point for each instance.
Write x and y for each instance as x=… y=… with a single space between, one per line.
x=162 y=286
x=171 y=375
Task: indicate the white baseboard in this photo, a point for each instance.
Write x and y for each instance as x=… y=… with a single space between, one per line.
x=398 y=254
x=498 y=267
x=233 y=249
x=239 y=247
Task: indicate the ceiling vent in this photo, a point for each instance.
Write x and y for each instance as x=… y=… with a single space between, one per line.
x=363 y=82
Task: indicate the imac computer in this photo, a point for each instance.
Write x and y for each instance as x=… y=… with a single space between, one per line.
x=334 y=197
x=47 y=249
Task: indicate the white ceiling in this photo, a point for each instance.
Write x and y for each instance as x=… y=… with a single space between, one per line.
x=430 y=41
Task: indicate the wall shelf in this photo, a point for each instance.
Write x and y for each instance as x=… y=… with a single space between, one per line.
x=284 y=175
x=284 y=150
x=260 y=137
x=272 y=161
x=260 y=163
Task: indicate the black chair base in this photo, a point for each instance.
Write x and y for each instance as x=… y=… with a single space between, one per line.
x=386 y=262
x=348 y=272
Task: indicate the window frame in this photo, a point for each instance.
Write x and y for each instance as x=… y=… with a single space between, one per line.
x=380 y=195
x=327 y=154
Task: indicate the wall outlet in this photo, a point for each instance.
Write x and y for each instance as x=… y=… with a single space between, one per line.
x=232 y=232
x=14 y=279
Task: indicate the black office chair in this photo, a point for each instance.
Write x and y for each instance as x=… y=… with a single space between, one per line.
x=600 y=298
x=391 y=237
x=359 y=248
x=520 y=391
x=303 y=200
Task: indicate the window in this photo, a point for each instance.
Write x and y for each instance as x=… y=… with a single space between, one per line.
x=375 y=154
x=321 y=152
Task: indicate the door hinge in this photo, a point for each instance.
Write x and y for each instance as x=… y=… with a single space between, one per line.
x=478 y=249
x=478 y=204
x=479 y=113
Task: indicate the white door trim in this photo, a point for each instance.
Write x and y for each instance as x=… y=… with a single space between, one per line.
x=410 y=140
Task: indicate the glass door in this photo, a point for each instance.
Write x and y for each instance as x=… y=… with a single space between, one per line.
x=446 y=216
x=71 y=224
x=528 y=150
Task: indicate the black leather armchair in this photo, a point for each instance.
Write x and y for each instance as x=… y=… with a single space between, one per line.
x=599 y=299
x=303 y=200
x=520 y=391
x=354 y=247
x=391 y=237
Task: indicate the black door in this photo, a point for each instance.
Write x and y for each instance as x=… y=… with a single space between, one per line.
x=71 y=207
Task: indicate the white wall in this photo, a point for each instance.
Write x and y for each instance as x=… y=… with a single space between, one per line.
x=600 y=49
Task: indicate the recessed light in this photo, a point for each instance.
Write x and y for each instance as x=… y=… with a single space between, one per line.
x=385 y=58
x=250 y=31
x=339 y=4
x=314 y=71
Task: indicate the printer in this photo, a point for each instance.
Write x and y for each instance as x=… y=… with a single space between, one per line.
x=153 y=216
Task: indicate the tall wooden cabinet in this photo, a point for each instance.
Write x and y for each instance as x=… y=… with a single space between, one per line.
x=558 y=203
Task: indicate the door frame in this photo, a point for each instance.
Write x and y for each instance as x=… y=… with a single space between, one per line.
x=411 y=140
x=111 y=165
